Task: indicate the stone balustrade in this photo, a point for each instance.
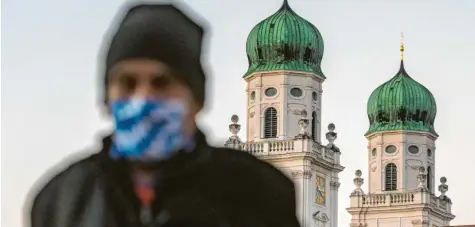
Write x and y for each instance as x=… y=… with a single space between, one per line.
x=419 y=197
x=270 y=147
x=302 y=143
x=281 y=147
x=388 y=199
x=385 y=199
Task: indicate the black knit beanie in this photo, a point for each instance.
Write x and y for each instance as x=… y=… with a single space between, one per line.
x=164 y=33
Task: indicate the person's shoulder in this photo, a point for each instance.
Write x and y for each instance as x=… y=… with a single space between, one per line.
x=250 y=179
x=66 y=176
x=248 y=164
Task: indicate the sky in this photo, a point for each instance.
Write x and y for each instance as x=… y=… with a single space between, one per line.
x=50 y=80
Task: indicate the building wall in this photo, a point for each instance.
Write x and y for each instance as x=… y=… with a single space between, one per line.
x=283 y=102
x=407 y=163
x=303 y=172
x=380 y=208
x=401 y=217
x=304 y=175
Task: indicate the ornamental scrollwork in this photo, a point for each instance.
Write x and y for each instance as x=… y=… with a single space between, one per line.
x=420 y=222
x=307 y=174
x=358 y=225
x=373 y=169
x=415 y=167
x=335 y=185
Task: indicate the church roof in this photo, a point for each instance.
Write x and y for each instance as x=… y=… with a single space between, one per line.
x=401 y=104
x=284 y=41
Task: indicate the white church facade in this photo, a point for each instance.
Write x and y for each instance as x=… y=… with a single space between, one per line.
x=284 y=90
x=401 y=160
x=283 y=126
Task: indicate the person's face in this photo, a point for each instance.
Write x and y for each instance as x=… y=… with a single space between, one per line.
x=149 y=78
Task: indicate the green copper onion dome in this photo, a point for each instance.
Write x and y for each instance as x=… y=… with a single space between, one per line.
x=401 y=104
x=284 y=41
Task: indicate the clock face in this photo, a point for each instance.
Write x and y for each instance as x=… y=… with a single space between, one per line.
x=320 y=190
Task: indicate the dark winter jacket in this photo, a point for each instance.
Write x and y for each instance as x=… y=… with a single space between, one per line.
x=207 y=187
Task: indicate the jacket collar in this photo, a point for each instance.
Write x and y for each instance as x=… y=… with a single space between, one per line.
x=200 y=144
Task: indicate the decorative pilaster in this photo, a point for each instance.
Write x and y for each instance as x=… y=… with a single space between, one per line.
x=299 y=174
x=331 y=136
x=420 y=223
x=354 y=224
x=421 y=179
x=303 y=124
x=443 y=188
x=358 y=181
x=335 y=185
x=234 y=141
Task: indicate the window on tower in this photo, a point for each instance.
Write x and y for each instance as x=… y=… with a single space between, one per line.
x=269 y=92
x=296 y=92
x=314 y=126
x=391 y=177
x=429 y=170
x=270 y=123
x=314 y=96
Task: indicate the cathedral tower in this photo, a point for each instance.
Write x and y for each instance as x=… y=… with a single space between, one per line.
x=401 y=158
x=284 y=76
x=401 y=135
x=284 y=98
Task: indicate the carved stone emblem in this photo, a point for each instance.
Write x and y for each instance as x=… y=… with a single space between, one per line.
x=415 y=167
x=358 y=181
x=420 y=222
x=299 y=112
x=373 y=169
x=335 y=185
x=306 y=174
x=354 y=224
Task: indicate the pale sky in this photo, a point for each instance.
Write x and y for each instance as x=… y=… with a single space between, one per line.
x=50 y=80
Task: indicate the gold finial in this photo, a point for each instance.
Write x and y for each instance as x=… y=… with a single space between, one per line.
x=402 y=46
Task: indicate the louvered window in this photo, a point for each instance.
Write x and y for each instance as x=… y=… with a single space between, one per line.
x=270 y=123
x=314 y=126
x=429 y=170
x=391 y=177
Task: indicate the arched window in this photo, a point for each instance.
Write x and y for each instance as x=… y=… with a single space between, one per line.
x=391 y=177
x=270 y=123
x=429 y=175
x=314 y=126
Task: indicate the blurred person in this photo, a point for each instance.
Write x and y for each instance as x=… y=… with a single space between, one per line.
x=156 y=168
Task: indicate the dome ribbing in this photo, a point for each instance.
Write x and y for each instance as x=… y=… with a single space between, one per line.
x=284 y=41
x=401 y=104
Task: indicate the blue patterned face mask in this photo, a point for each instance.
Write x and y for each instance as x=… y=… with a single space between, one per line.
x=148 y=129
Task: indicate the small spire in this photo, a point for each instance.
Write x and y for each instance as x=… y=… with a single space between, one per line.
x=285 y=5
x=402 y=46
